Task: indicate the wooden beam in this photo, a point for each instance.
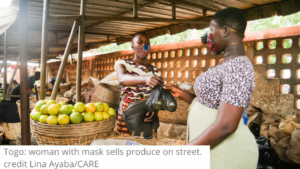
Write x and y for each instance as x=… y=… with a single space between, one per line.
x=135 y=14
x=64 y=17
x=79 y=51
x=44 y=48
x=64 y=61
x=129 y=19
x=186 y=3
x=173 y=10
x=5 y=64
x=24 y=85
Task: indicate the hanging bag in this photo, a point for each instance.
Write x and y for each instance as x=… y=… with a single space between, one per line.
x=135 y=115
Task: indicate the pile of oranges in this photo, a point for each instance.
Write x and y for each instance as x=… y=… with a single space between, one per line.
x=53 y=113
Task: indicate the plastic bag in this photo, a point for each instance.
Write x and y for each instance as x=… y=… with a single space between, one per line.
x=287 y=126
x=268 y=159
x=161 y=99
x=132 y=143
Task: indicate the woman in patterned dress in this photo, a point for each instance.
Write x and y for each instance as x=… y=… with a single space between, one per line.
x=136 y=78
x=222 y=94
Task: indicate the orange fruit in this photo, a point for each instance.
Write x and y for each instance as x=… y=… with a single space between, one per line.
x=105 y=116
x=44 y=109
x=79 y=107
x=99 y=107
x=90 y=107
x=53 y=109
x=52 y=120
x=49 y=102
x=63 y=119
x=43 y=119
x=106 y=107
x=89 y=117
x=62 y=103
x=98 y=116
x=111 y=112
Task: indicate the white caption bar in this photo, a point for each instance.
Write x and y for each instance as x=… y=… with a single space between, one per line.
x=112 y=157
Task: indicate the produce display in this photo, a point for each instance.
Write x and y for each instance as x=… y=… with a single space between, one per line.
x=53 y=113
x=1 y=98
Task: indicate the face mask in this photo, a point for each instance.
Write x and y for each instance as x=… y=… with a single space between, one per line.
x=208 y=39
x=142 y=51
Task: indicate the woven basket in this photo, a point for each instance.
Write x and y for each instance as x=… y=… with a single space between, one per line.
x=106 y=93
x=64 y=88
x=11 y=130
x=32 y=102
x=72 y=134
x=178 y=117
x=154 y=141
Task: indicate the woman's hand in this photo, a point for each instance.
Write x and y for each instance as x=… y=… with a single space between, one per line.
x=175 y=91
x=151 y=117
x=153 y=81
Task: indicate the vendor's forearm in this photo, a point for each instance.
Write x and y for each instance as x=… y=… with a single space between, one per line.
x=130 y=80
x=187 y=97
x=212 y=136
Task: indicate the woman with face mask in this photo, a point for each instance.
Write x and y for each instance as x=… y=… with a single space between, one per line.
x=136 y=78
x=223 y=93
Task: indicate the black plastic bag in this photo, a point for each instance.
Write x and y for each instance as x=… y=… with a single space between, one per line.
x=268 y=159
x=161 y=99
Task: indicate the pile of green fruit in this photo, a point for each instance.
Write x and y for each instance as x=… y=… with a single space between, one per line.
x=1 y=98
x=53 y=113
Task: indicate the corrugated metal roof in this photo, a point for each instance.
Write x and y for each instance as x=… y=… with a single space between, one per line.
x=120 y=31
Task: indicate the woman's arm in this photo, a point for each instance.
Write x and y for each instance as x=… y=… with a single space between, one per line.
x=227 y=122
x=130 y=80
x=176 y=92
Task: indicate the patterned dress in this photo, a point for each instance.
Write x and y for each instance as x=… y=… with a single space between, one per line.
x=232 y=82
x=130 y=94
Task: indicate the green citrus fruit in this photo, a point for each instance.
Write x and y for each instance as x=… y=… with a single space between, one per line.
x=65 y=110
x=36 y=115
x=99 y=107
x=49 y=102
x=52 y=120
x=39 y=104
x=76 y=117
x=63 y=119
x=43 y=119
x=98 y=116
x=62 y=103
x=71 y=105
x=79 y=107
x=53 y=109
x=105 y=116
x=90 y=107
x=89 y=117
x=111 y=112
x=44 y=109
x=106 y=107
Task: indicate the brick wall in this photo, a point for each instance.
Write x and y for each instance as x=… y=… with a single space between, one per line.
x=277 y=82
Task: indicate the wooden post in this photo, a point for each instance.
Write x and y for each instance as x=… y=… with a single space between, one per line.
x=13 y=77
x=135 y=14
x=173 y=10
x=80 y=46
x=5 y=65
x=24 y=88
x=204 y=13
x=64 y=60
x=44 y=49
